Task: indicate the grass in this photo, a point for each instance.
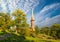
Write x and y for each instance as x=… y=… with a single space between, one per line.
x=21 y=38
x=27 y=39
x=41 y=40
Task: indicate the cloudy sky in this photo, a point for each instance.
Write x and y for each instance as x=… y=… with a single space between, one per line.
x=46 y=12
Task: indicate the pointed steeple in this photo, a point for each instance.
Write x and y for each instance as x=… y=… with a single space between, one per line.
x=32 y=17
x=32 y=21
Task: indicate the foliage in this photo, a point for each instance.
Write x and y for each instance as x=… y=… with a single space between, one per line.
x=19 y=19
x=53 y=31
x=37 y=30
x=45 y=30
x=7 y=22
x=4 y=21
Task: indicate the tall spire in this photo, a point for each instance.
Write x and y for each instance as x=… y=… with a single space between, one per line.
x=32 y=18
x=32 y=13
x=32 y=21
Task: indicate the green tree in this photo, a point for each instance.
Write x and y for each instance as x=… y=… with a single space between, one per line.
x=55 y=30
x=19 y=18
x=5 y=21
x=25 y=31
x=37 y=30
x=45 y=30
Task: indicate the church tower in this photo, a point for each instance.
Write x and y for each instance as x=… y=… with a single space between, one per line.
x=32 y=21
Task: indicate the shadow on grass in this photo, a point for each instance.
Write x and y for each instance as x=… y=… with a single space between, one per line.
x=14 y=38
x=22 y=38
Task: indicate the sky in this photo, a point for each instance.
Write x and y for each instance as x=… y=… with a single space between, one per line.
x=46 y=12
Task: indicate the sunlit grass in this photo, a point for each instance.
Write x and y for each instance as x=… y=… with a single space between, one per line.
x=16 y=33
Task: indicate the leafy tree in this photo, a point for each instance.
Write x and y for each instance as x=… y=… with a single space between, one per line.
x=37 y=30
x=58 y=33
x=25 y=31
x=4 y=21
x=20 y=18
x=55 y=30
x=45 y=30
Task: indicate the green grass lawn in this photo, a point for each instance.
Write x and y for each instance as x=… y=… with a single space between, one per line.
x=16 y=38
x=41 y=40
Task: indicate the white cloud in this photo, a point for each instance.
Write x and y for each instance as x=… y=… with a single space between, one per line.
x=45 y=11
x=47 y=8
x=25 y=5
x=49 y=21
x=3 y=6
x=43 y=17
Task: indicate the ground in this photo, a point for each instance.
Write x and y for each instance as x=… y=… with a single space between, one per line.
x=9 y=37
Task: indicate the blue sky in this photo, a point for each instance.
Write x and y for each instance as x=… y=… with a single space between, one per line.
x=46 y=12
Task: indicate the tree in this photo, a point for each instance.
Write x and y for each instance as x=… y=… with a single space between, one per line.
x=4 y=21
x=55 y=30
x=19 y=19
x=45 y=30
x=37 y=30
